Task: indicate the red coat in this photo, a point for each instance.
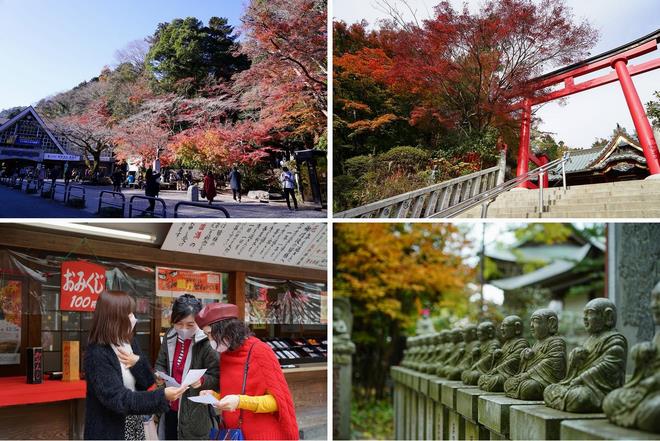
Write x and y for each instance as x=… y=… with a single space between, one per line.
x=209 y=187
x=264 y=376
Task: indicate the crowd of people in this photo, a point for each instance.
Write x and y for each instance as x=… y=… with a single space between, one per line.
x=150 y=181
x=126 y=398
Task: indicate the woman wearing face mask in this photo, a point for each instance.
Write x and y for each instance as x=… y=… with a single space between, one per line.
x=186 y=347
x=264 y=410
x=118 y=374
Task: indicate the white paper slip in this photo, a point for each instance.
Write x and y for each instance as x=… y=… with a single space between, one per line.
x=204 y=399
x=193 y=376
x=169 y=381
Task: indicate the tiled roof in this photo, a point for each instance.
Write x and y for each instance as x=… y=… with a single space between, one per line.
x=558 y=267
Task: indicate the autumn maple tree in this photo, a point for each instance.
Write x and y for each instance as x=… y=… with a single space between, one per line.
x=286 y=84
x=387 y=271
x=452 y=78
x=90 y=132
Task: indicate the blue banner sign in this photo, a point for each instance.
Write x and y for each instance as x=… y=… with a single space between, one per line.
x=27 y=141
x=15 y=153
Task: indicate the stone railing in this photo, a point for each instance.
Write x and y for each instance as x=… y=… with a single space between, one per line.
x=429 y=200
x=429 y=407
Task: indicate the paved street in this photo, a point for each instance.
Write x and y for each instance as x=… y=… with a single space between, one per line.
x=16 y=204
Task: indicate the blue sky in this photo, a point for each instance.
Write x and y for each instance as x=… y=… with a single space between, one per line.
x=49 y=46
x=588 y=115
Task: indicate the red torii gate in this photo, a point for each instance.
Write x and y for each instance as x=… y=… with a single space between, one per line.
x=616 y=59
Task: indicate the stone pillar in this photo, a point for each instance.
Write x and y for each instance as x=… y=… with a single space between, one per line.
x=633 y=269
x=342 y=351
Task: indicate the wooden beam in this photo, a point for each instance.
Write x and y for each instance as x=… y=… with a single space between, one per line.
x=15 y=235
x=237 y=292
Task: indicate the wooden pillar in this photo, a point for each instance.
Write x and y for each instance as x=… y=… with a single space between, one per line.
x=237 y=291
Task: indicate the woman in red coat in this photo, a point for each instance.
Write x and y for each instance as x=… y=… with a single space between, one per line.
x=266 y=405
x=209 y=187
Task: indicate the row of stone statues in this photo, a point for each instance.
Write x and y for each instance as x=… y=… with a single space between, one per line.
x=590 y=380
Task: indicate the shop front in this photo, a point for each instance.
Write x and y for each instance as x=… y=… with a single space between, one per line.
x=51 y=273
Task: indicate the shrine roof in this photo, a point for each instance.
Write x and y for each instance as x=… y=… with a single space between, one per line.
x=581 y=160
x=554 y=269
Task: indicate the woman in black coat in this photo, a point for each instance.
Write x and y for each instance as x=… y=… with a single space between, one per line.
x=118 y=374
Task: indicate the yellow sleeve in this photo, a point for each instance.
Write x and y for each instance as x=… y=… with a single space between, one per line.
x=261 y=404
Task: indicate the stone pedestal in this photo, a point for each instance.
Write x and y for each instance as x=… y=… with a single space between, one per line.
x=475 y=431
x=467 y=402
x=449 y=389
x=600 y=429
x=455 y=425
x=541 y=422
x=494 y=413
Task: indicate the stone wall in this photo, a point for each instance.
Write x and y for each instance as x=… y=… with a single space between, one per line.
x=633 y=269
x=429 y=407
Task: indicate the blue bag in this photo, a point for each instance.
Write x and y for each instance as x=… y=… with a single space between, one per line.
x=218 y=431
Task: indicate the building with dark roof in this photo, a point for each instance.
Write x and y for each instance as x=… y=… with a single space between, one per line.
x=26 y=140
x=622 y=159
x=557 y=267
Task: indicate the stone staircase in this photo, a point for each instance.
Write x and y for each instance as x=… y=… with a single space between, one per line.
x=626 y=199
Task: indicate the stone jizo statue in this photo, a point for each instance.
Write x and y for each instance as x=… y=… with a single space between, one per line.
x=637 y=404
x=440 y=341
x=453 y=372
x=482 y=356
x=458 y=346
x=506 y=361
x=595 y=368
x=542 y=364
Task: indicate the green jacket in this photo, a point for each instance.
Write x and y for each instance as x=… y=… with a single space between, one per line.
x=194 y=421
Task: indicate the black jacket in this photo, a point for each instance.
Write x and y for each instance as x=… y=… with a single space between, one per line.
x=108 y=401
x=194 y=421
x=152 y=186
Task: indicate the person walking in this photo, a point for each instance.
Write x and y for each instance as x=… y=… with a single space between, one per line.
x=41 y=176
x=210 y=191
x=186 y=347
x=118 y=374
x=235 y=183
x=151 y=188
x=116 y=180
x=288 y=184
x=251 y=379
x=67 y=176
x=54 y=175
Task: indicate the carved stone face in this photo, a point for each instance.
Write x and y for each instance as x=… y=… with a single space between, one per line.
x=655 y=303
x=457 y=335
x=510 y=328
x=594 y=321
x=539 y=326
x=470 y=333
x=485 y=331
x=444 y=336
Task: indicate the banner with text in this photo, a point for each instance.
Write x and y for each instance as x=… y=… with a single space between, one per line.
x=82 y=282
x=173 y=282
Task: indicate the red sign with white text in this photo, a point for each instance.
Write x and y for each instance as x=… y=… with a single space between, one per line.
x=82 y=282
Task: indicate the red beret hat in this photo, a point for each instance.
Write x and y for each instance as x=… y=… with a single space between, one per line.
x=214 y=312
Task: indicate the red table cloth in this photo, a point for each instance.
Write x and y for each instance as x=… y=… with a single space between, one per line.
x=14 y=391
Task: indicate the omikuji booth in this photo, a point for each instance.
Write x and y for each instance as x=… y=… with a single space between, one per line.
x=51 y=274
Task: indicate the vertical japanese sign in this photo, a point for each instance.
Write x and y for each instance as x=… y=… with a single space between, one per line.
x=82 y=282
x=10 y=322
